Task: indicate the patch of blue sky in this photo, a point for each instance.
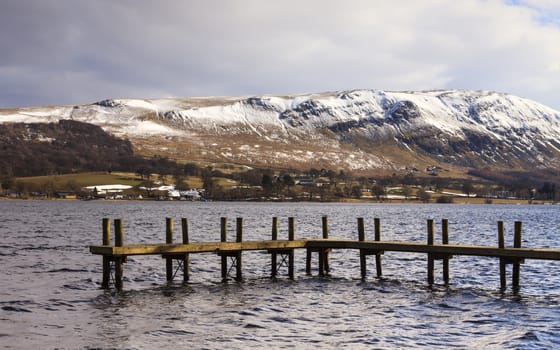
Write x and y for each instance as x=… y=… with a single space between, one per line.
x=548 y=11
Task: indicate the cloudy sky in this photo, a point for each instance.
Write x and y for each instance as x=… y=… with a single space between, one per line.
x=70 y=51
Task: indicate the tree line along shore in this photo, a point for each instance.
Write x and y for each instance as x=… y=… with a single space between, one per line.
x=235 y=182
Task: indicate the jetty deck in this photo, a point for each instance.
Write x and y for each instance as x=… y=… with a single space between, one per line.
x=408 y=247
x=114 y=256
x=198 y=247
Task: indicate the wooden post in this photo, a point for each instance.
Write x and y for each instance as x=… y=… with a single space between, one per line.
x=517 y=263
x=430 y=257
x=324 y=267
x=169 y=240
x=291 y=229
x=377 y=224
x=273 y=254
x=445 y=240
x=106 y=231
x=291 y=237
x=361 y=230
x=325 y=226
x=223 y=238
x=186 y=257
x=106 y=260
x=239 y=239
x=119 y=234
x=119 y=261
x=501 y=244
x=275 y=228
x=308 y=262
x=361 y=238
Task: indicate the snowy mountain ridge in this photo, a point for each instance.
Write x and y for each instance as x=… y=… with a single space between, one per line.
x=347 y=129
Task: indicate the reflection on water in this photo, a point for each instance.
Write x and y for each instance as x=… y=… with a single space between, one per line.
x=50 y=294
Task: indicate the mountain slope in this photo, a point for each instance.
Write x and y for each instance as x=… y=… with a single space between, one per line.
x=359 y=130
x=39 y=149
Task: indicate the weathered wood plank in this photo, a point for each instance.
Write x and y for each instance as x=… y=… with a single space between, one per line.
x=411 y=247
x=195 y=247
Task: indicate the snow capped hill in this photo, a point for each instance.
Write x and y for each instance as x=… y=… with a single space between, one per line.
x=359 y=129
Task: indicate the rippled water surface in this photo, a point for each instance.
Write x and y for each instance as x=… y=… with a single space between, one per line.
x=50 y=294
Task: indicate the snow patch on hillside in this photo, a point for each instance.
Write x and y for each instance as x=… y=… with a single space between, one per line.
x=324 y=119
x=452 y=112
x=149 y=128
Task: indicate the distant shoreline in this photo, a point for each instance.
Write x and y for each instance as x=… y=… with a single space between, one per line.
x=343 y=201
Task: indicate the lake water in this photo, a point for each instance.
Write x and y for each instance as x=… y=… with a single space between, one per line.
x=50 y=294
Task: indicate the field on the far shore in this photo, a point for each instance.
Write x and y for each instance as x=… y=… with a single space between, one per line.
x=73 y=183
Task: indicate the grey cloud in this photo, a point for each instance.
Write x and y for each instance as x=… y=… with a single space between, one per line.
x=75 y=51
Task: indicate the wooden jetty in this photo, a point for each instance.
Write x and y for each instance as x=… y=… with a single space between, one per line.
x=282 y=251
